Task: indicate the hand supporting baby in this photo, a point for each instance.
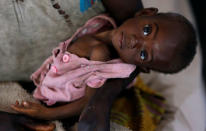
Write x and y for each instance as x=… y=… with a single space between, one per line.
x=32 y=109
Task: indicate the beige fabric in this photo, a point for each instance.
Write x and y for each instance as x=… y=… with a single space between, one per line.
x=9 y=93
x=31 y=29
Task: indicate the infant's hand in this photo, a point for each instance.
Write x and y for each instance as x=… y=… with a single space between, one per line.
x=31 y=109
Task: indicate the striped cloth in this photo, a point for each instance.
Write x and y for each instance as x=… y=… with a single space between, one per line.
x=139 y=108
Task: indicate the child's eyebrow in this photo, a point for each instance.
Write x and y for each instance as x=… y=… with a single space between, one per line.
x=156 y=30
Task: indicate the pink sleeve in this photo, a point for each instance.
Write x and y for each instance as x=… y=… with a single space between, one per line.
x=96 y=83
x=38 y=76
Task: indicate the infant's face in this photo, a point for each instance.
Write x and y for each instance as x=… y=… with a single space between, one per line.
x=147 y=41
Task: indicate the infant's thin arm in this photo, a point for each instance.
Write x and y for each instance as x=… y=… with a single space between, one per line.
x=96 y=114
x=73 y=108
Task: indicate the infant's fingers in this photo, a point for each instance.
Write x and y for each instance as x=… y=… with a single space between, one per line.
x=25 y=104
x=22 y=103
x=17 y=103
x=32 y=103
x=15 y=107
x=19 y=109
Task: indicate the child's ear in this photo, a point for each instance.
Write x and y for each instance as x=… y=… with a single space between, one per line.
x=147 y=11
x=144 y=69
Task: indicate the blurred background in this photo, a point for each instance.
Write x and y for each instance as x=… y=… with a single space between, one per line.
x=199 y=9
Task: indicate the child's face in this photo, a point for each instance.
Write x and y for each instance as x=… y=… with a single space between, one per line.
x=147 y=41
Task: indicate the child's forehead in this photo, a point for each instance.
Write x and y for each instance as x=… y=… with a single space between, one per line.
x=162 y=17
x=167 y=41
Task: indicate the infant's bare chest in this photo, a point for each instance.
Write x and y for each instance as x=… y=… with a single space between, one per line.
x=84 y=46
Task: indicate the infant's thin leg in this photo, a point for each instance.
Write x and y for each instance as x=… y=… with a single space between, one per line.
x=96 y=114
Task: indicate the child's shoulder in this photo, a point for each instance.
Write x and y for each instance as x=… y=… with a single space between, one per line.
x=100 y=52
x=90 y=47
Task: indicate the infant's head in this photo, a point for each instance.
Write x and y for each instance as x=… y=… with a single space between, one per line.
x=164 y=42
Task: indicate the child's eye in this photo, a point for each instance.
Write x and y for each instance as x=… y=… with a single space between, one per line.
x=143 y=55
x=147 y=29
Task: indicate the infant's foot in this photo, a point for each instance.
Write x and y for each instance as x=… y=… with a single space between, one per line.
x=31 y=109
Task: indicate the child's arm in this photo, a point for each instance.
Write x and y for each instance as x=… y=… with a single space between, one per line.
x=121 y=10
x=73 y=108
x=99 y=53
x=35 y=110
x=41 y=112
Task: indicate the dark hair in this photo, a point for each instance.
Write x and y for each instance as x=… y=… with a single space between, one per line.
x=188 y=43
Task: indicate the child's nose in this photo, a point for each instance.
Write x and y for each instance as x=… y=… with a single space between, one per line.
x=132 y=42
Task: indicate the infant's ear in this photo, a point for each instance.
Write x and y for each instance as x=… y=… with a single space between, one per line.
x=144 y=69
x=147 y=11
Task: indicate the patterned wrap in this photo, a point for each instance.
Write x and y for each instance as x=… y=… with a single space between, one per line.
x=145 y=108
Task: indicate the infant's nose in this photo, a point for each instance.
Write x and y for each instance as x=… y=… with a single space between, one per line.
x=132 y=44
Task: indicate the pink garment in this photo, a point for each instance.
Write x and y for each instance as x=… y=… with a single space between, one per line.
x=63 y=77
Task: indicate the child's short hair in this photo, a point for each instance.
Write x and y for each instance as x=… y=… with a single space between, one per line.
x=188 y=43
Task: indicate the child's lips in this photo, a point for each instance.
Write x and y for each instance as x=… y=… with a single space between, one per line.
x=121 y=40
